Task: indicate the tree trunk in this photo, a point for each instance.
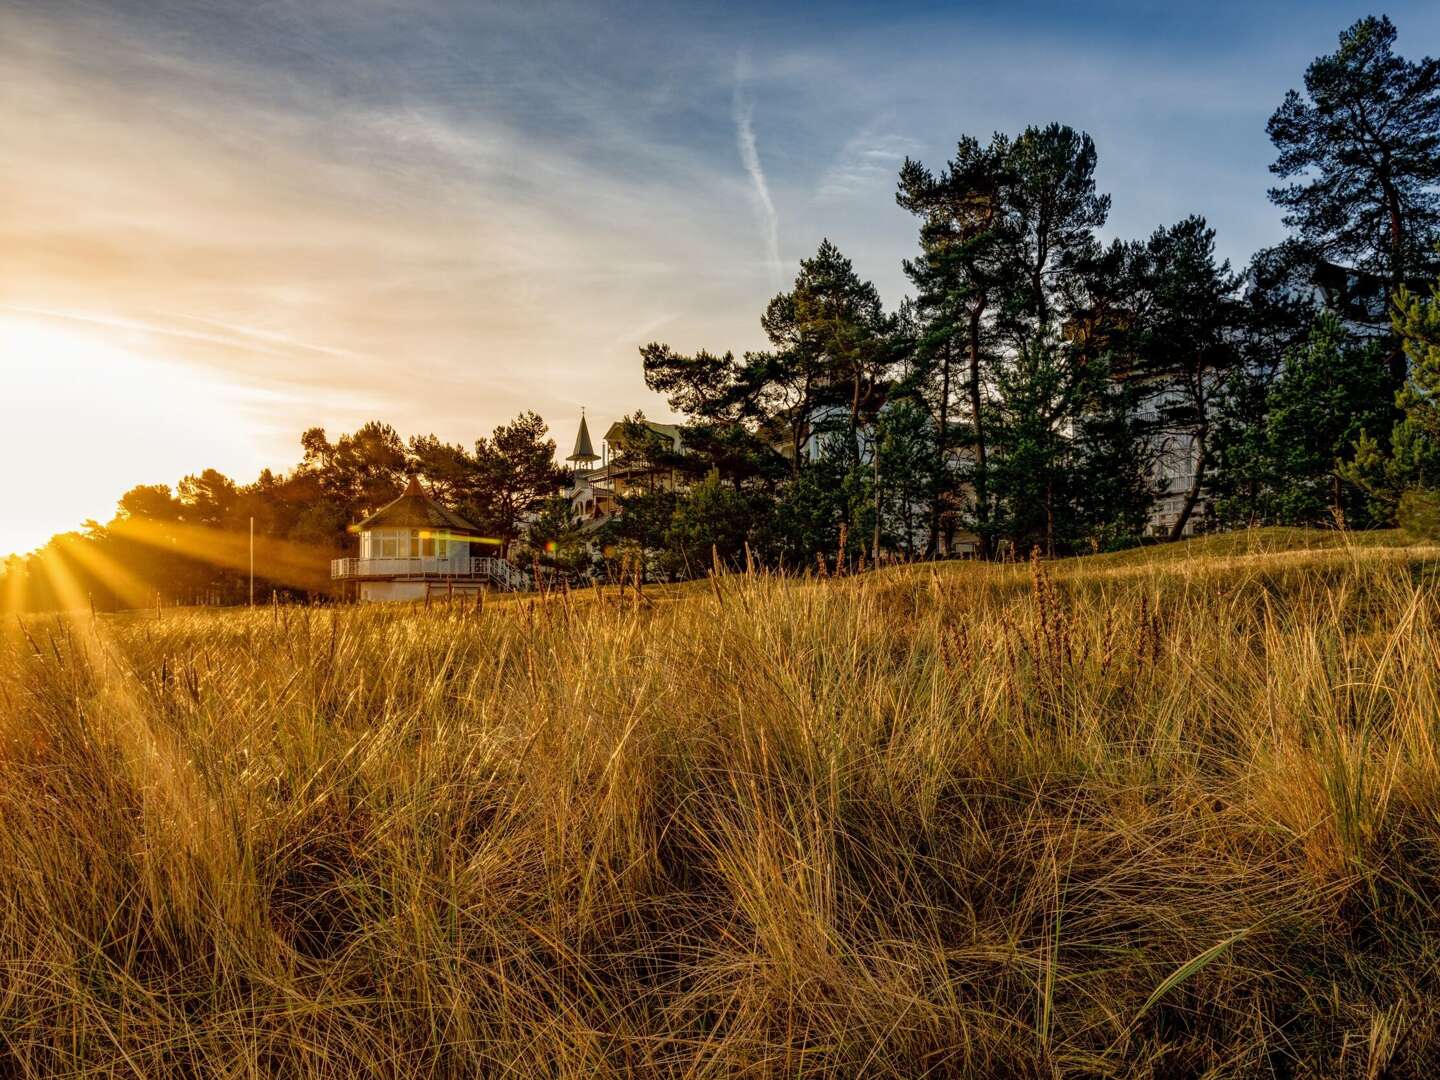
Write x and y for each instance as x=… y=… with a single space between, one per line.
x=1399 y=368
x=982 y=499
x=1197 y=482
x=855 y=422
x=932 y=546
x=1397 y=231
x=1050 y=518
x=875 y=542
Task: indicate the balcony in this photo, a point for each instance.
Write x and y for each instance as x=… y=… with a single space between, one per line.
x=499 y=572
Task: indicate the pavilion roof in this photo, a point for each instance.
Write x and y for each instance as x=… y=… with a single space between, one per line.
x=416 y=510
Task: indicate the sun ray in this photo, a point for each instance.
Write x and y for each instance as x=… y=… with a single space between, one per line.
x=295 y=565
x=13 y=599
x=64 y=582
x=127 y=587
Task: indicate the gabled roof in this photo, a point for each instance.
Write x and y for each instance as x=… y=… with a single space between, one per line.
x=416 y=510
x=670 y=432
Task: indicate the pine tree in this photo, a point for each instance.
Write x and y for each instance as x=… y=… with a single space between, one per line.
x=1047 y=246
x=956 y=277
x=1327 y=393
x=1185 y=341
x=1365 y=140
x=836 y=329
x=515 y=472
x=1404 y=483
x=1417 y=321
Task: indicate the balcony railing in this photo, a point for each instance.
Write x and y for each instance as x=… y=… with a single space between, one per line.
x=499 y=572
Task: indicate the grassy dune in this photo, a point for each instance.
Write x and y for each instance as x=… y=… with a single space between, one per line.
x=1174 y=813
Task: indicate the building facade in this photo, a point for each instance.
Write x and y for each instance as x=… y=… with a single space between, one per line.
x=413 y=547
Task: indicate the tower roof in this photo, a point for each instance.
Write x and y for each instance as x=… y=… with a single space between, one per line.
x=416 y=510
x=584 y=450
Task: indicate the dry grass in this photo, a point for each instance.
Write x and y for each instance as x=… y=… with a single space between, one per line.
x=1135 y=817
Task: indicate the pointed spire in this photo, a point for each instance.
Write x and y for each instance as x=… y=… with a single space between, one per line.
x=413 y=487
x=584 y=450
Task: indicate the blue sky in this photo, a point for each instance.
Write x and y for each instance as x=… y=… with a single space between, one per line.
x=441 y=213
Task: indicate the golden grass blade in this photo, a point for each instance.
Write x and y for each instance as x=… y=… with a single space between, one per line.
x=1190 y=968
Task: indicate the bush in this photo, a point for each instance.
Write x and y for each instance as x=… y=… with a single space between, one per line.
x=1419 y=513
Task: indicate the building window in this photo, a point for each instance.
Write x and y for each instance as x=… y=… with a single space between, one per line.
x=442 y=548
x=388 y=546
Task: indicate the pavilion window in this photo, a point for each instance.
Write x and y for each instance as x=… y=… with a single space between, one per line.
x=427 y=547
x=414 y=543
x=442 y=548
x=389 y=546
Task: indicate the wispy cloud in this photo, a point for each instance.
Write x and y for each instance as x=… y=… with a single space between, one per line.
x=744 y=109
x=266 y=221
x=868 y=160
x=637 y=336
x=246 y=338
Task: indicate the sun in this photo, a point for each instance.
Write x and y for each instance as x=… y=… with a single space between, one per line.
x=83 y=419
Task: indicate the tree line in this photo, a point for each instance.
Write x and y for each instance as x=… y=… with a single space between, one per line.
x=1037 y=384
x=1037 y=388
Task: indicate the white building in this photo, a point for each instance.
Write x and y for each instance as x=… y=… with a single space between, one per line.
x=594 y=491
x=413 y=547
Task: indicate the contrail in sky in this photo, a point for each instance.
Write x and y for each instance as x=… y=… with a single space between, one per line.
x=750 y=155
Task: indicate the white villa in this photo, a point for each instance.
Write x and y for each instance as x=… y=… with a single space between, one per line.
x=413 y=547
x=594 y=490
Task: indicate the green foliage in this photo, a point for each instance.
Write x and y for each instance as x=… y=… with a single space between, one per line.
x=449 y=472
x=961 y=260
x=714 y=519
x=1417 y=322
x=701 y=386
x=1031 y=474
x=1419 y=513
x=832 y=348
x=554 y=537
x=1184 y=340
x=909 y=475
x=1410 y=466
x=1114 y=490
x=832 y=335
x=365 y=469
x=1327 y=393
x=514 y=472
x=640 y=529
x=1051 y=210
x=809 y=510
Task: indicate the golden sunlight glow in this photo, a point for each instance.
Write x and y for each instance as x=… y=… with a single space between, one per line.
x=284 y=561
x=83 y=418
x=129 y=589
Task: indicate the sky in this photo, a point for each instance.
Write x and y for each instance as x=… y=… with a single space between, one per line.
x=222 y=223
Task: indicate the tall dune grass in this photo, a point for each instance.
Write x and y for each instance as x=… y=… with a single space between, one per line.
x=1140 y=818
